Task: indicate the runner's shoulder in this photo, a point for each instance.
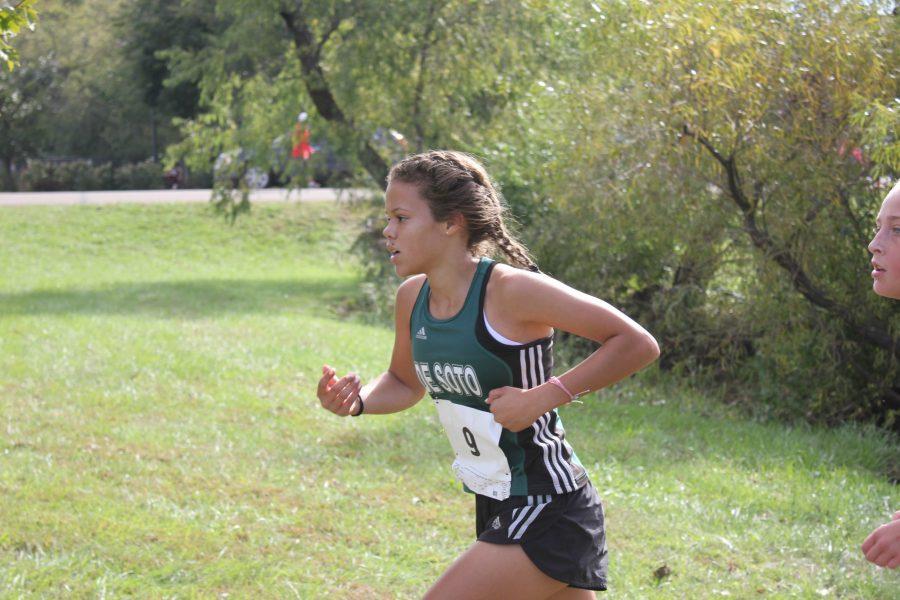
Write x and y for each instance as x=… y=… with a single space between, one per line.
x=510 y=283
x=408 y=291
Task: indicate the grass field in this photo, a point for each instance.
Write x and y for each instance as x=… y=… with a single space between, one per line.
x=160 y=436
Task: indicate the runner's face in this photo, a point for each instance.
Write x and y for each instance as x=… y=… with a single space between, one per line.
x=885 y=247
x=414 y=238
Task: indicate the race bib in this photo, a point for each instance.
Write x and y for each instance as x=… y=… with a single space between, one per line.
x=475 y=437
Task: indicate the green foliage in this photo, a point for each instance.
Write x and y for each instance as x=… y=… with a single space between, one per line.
x=146 y=175
x=439 y=73
x=104 y=94
x=150 y=31
x=94 y=111
x=877 y=123
x=723 y=190
x=26 y=95
x=46 y=176
x=41 y=176
x=13 y=18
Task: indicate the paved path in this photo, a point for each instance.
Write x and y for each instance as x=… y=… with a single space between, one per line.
x=176 y=196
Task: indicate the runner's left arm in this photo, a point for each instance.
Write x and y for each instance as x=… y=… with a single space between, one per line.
x=626 y=347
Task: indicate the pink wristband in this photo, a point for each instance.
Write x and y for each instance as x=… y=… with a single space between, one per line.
x=555 y=381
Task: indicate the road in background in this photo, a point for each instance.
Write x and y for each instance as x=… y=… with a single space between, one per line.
x=178 y=196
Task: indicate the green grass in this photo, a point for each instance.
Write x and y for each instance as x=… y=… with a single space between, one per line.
x=160 y=436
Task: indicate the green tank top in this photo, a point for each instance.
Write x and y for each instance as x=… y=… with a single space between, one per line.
x=459 y=361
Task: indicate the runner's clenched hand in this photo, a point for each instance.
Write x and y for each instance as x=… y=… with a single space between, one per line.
x=340 y=396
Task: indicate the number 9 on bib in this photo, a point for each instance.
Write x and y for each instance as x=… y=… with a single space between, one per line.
x=475 y=437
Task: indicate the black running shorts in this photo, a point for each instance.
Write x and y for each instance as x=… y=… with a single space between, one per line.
x=562 y=534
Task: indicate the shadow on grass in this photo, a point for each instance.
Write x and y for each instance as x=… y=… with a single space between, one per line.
x=181 y=299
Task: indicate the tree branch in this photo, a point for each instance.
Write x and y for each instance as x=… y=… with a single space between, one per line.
x=857 y=224
x=872 y=333
x=334 y=25
x=686 y=130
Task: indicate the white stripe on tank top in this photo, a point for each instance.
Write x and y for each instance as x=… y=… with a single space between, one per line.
x=551 y=446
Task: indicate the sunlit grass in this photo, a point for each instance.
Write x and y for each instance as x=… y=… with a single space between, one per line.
x=159 y=436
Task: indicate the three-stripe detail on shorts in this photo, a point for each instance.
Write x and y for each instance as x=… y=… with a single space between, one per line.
x=524 y=516
x=531 y=362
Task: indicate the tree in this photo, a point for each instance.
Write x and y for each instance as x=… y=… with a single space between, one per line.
x=441 y=72
x=151 y=29
x=785 y=112
x=14 y=17
x=25 y=94
x=105 y=94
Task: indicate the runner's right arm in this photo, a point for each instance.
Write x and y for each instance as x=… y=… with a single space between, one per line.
x=396 y=389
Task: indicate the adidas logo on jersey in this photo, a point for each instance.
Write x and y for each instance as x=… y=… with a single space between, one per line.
x=420 y=335
x=495 y=524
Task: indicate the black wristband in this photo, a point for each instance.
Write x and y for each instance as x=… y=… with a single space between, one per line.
x=362 y=406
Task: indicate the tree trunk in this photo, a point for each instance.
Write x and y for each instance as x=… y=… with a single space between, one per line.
x=309 y=52
x=9 y=182
x=422 y=58
x=153 y=134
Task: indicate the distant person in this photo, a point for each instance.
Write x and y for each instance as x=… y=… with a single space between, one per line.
x=174 y=177
x=478 y=336
x=882 y=547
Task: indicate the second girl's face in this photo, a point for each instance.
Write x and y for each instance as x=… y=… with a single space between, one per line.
x=414 y=238
x=885 y=247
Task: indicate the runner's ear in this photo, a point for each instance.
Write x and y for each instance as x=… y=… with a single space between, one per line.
x=456 y=223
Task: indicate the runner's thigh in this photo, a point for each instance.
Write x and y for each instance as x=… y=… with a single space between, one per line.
x=571 y=593
x=493 y=571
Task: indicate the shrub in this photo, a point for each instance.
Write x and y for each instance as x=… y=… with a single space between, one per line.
x=83 y=175
x=50 y=176
x=146 y=175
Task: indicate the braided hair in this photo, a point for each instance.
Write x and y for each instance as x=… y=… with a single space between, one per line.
x=454 y=182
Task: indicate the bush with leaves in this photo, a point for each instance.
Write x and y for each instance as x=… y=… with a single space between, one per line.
x=82 y=175
x=743 y=145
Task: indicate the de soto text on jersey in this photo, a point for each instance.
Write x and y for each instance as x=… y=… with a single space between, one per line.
x=449 y=378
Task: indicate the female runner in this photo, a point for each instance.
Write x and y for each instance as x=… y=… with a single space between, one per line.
x=882 y=547
x=477 y=336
